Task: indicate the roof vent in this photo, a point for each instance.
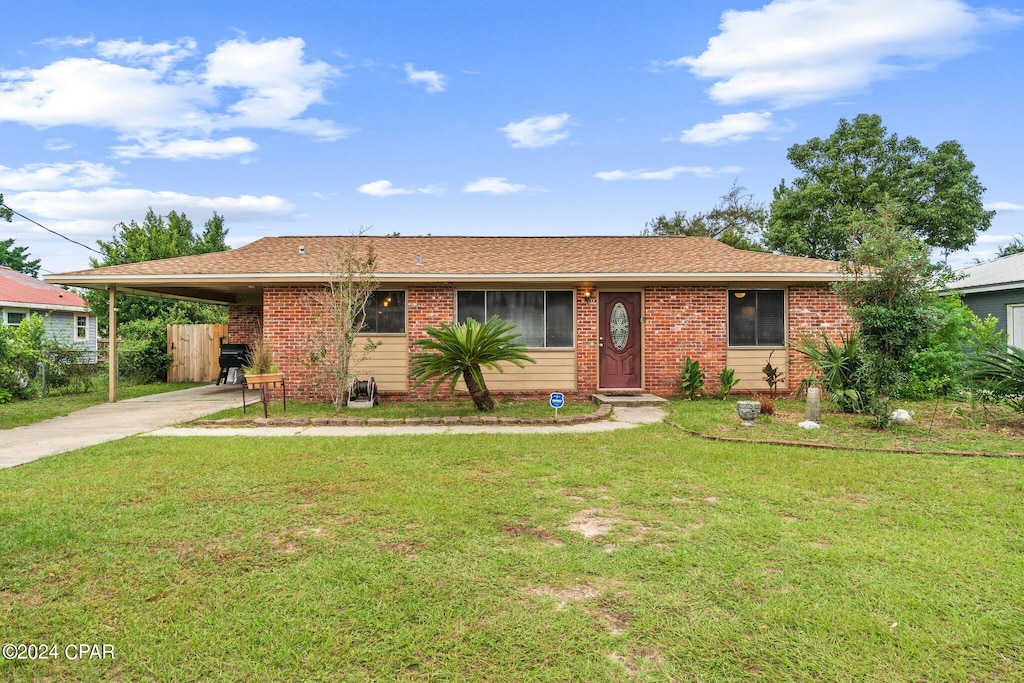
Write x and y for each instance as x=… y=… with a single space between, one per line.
x=302 y=248
x=419 y=259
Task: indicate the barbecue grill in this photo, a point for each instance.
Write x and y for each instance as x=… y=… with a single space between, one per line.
x=232 y=356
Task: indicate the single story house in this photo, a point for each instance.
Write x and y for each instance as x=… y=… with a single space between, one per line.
x=996 y=288
x=65 y=313
x=597 y=313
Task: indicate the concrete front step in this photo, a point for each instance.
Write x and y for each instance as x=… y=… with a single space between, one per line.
x=629 y=400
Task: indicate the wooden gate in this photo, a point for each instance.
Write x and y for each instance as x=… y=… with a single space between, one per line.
x=194 y=352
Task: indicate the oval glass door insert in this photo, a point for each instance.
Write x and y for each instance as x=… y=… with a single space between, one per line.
x=619 y=324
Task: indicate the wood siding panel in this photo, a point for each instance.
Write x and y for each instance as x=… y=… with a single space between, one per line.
x=388 y=364
x=555 y=370
x=748 y=364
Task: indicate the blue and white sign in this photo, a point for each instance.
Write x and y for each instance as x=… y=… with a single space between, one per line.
x=557 y=400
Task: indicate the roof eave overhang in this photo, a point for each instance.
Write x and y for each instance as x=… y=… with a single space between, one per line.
x=140 y=282
x=44 y=307
x=981 y=289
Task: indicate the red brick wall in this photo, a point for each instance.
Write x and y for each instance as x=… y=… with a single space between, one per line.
x=244 y=323
x=586 y=342
x=427 y=307
x=679 y=322
x=813 y=310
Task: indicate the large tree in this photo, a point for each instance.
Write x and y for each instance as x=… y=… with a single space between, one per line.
x=737 y=220
x=157 y=237
x=854 y=171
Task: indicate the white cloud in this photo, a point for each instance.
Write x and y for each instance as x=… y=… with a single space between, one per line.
x=385 y=188
x=57 y=144
x=667 y=173
x=792 y=52
x=434 y=81
x=537 y=131
x=159 y=56
x=729 y=128
x=66 y=41
x=97 y=210
x=144 y=93
x=185 y=148
x=493 y=185
x=1004 y=206
x=56 y=176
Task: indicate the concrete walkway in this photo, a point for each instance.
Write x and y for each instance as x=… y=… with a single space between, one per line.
x=111 y=421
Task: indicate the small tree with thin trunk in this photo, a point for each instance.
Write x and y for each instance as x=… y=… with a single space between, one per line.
x=338 y=309
x=462 y=351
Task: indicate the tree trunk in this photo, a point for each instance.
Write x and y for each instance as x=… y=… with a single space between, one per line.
x=478 y=392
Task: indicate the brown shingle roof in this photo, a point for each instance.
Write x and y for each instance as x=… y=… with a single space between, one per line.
x=485 y=256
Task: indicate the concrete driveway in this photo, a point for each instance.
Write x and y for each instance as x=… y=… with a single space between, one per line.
x=111 y=421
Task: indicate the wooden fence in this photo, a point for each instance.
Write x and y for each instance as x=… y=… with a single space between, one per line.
x=194 y=350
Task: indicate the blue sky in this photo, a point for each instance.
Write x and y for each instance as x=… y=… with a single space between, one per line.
x=475 y=118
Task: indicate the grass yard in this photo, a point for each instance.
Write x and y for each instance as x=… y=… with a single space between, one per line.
x=641 y=554
x=939 y=425
x=393 y=409
x=19 y=413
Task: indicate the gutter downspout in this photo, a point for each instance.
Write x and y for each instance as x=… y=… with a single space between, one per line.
x=112 y=346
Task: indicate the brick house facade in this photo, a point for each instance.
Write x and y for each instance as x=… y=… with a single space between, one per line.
x=597 y=313
x=679 y=321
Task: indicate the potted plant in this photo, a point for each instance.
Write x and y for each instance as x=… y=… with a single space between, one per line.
x=261 y=369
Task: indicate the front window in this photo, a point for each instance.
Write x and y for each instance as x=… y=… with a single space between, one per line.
x=81 y=327
x=14 y=318
x=543 y=319
x=757 y=317
x=385 y=313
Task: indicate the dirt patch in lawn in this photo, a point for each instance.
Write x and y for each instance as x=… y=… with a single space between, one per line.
x=571 y=594
x=536 y=532
x=594 y=524
x=409 y=549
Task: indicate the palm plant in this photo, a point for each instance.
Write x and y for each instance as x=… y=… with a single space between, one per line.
x=838 y=366
x=462 y=351
x=1002 y=373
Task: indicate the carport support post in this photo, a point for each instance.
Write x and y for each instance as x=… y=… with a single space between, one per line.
x=112 y=347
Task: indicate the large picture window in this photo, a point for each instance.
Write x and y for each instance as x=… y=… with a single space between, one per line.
x=542 y=318
x=385 y=313
x=757 y=317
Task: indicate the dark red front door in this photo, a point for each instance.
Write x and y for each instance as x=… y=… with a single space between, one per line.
x=619 y=359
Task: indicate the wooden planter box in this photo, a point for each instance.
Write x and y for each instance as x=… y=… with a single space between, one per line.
x=265 y=382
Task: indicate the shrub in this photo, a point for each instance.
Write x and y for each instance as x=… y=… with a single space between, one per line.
x=143 y=355
x=772 y=375
x=691 y=379
x=727 y=381
x=937 y=369
x=838 y=367
x=1002 y=373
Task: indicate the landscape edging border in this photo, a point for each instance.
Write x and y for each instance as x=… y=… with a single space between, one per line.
x=601 y=413
x=831 y=447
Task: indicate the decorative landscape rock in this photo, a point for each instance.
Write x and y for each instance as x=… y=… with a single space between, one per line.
x=748 y=412
x=808 y=424
x=901 y=417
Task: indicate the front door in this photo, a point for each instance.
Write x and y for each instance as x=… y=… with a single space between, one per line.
x=619 y=352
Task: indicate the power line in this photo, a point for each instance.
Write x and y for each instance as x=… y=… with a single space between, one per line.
x=17 y=213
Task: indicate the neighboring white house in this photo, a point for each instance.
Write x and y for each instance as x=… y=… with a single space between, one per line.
x=66 y=313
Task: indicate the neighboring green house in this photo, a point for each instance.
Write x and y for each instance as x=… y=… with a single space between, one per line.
x=996 y=288
x=66 y=314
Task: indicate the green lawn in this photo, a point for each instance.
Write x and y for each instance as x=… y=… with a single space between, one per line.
x=393 y=409
x=19 y=413
x=938 y=425
x=454 y=558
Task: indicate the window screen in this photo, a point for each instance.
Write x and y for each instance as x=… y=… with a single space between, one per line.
x=757 y=317
x=542 y=319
